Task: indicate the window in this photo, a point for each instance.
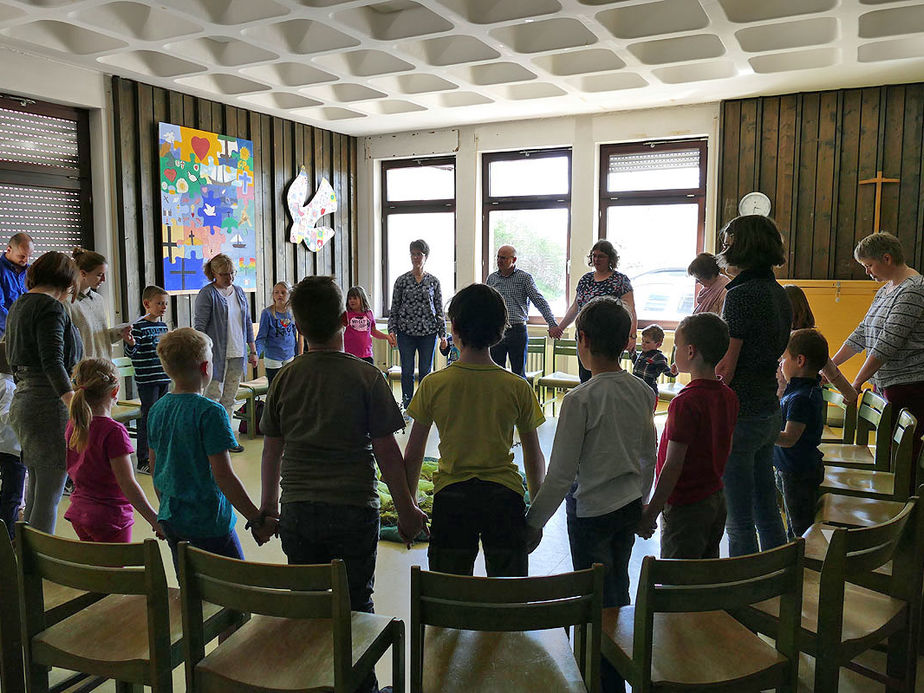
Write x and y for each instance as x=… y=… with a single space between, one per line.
x=527 y=204
x=419 y=201
x=653 y=209
x=44 y=174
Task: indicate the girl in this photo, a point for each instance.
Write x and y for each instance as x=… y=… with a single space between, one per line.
x=276 y=336
x=360 y=326
x=99 y=460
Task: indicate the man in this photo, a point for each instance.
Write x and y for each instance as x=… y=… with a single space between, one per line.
x=13 y=265
x=518 y=288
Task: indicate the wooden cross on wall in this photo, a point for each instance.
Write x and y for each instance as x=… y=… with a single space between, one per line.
x=878 y=180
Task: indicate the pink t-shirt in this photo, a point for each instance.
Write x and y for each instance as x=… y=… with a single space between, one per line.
x=357 y=337
x=97 y=500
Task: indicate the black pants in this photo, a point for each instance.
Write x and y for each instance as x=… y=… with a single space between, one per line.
x=800 y=494
x=148 y=393
x=513 y=345
x=13 y=474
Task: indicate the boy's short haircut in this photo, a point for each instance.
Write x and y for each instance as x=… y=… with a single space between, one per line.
x=654 y=333
x=605 y=323
x=183 y=350
x=479 y=316
x=708 y=333
x=151 y=292
x=317 y=304
x=877 y=245
x=812 y=345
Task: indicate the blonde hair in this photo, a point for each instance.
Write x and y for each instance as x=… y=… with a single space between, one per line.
x=272 y=306
x=183 y=350
x=94 y=381
x=213 y=267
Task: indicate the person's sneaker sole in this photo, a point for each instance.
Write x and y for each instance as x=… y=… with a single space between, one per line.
x=239 y=448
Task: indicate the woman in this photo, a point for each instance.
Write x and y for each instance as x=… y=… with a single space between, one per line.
x=705 y=269
x=89 y=310
x=603 y=281
x=759 y=318
x=223 y=313
x=892 y=333
x=42 y=347
x=416 y=318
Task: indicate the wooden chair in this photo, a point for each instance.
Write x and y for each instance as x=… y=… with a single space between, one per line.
x=848 y=607
x=535 y=360
x=894 y=485
x=249 y=391
x=304 y=638
x=559 y=380
x=11 y=671
x=491 y=634
x=842 y=429
x=126 y=410
x=132 y=630
x=668 y=385
x=679 y=636
x=874 y=415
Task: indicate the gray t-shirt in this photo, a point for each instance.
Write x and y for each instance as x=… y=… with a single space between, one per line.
x=328 y=406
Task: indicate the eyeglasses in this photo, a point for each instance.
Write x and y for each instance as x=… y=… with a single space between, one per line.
x=598 y=256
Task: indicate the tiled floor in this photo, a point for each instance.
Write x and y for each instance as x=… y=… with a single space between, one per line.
x=392 y=595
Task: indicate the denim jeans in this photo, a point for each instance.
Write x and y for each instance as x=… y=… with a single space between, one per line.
x=410 y=346
x=512 y=345
x=149 y=393
x=800 y=495
x=227 y=545
x=750 y=489
x=13 y=474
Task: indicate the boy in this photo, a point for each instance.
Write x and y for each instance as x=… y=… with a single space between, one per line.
x=475 y=404
x=694 y=446
x=796 y=457
x=650 y=363
x=150 y=378
x=190 y=438
x=329 y=417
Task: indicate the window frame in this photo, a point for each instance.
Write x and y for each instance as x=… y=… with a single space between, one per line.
x=515 y=202
x=668 y=196
x=413 y=207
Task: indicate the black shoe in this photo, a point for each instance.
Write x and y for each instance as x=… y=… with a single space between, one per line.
x=68 y=487
x=237 y=448
x=144 y=468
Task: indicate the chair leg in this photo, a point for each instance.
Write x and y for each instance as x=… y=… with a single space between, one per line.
x=827 y=673
x=37 y=678
x=397 y=657
x=901 y=661
x=124 y=687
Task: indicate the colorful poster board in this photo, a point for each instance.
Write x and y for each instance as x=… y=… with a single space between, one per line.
x=305 y=215
x=207 y=206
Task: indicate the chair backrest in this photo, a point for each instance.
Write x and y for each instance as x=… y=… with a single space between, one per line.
x=720 y=584
x=11 y=669
x=535 y=355
x=563 y=347
x=903 y=454
x=874 y=414
x=282 y=591
x=833 y=398
x=510 y=604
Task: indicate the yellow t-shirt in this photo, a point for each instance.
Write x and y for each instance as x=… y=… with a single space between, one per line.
x=475 y=408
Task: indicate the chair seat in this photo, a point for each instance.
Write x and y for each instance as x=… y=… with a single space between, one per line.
x=281 y=654
x=818 y=539
x=854 y=510
x=560 y=380
x=259 y=386
x=682 y=653
x=668 y=391
x=468 y=661
x=129 y=402
x=865 y=612
x=394 y=373
x=531 y=376
x=858 y=481
x=838 y=452
x=125 y=413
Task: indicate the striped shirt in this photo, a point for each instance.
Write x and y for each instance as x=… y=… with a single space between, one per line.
x=518 y=290
x=893 y=332
x=148 y=369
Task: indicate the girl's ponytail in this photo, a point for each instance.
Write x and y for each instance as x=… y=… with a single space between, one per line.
x=94 y=381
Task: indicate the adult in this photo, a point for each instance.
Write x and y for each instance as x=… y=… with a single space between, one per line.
x=89 y=310
x=517 y=288
x=13 y=266
x=416 y=318
x=892 y=332
x=759 y=318
x=711 y=297
x=603 y=281
x=223 y=313
x=42 y=347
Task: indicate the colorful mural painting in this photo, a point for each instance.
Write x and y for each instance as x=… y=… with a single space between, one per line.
x=207 y=206
x=305 y=215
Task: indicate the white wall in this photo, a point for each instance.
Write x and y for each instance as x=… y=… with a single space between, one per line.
x=584 y=134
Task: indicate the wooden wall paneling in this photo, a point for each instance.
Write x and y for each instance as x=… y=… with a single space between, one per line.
x=327 y=252
x=317 y=159
x=848 y=175
x=747 y=148
x=179 y=305
x=911 y=200
x=867 y=165
x=769 y=146
x=728 y=171
x=343 y=211
x=354 y=225
x=289 y=169
x=787 y=158
x=893 y=118
x=298 y=144
x=826 y=184
x=253 y=128
x=125 y=135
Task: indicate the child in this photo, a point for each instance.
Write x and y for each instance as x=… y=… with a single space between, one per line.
x=650 y=363
x=150 y=378
x=606 y=440
x=796 y=458
x=360 y=326
x=190 y=438
x=276 y=337
x=694 y=446
x=12 y=470
x=451 y=351
x=475 y=404
x=99 y=461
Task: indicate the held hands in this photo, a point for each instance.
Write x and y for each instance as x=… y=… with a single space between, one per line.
x=252 y=359
x=646 y=525
x=158 y=531
x=127 y=335
x=533 y=537
x=556 y=332
x=674 y=370
x=410 y=527
x=264 y=527
x=392 y=339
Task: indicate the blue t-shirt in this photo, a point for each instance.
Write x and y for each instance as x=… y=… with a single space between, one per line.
x=802 y=402
x=183 y=430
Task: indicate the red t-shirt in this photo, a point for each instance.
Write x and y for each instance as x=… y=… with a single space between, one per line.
x=703 y=416
x=97 y=500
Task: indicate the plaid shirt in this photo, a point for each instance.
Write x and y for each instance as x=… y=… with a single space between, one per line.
x=518 y=290
x=649 y=365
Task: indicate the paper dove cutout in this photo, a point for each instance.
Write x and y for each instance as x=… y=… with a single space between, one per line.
x=305 y=216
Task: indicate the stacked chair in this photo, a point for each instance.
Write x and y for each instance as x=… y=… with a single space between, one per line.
x=558 y=379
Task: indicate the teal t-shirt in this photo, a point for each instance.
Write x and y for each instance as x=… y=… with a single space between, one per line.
x=183 y=430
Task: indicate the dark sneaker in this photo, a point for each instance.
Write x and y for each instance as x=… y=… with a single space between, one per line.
x=237 y=448
x=144 y=468
x=68 y=487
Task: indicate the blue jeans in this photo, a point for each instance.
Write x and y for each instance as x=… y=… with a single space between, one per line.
x=148 y=393
x=13 y=473
x=512 y=345
x=750 y=488
x=227 y=545
x=410 y=346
